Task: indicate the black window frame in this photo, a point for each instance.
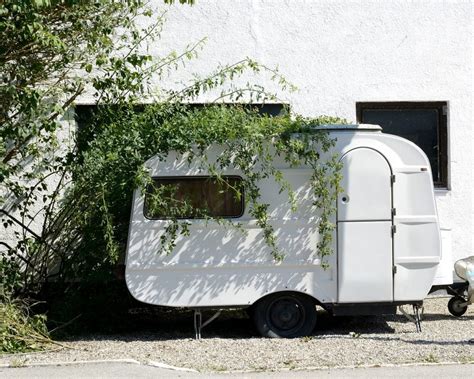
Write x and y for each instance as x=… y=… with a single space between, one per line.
x=193 y=177
x=440 y=106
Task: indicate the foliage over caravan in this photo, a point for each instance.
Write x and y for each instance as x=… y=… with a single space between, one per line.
x=113 y=164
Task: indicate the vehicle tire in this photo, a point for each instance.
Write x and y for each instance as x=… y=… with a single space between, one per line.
x=455 y=306
x=285 y=315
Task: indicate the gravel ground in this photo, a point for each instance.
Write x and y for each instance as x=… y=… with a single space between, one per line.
x=231 y=343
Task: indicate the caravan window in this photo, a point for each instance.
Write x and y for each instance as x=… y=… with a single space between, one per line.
x=194 y=197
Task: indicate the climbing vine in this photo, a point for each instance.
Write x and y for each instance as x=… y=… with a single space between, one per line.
x=248 y=142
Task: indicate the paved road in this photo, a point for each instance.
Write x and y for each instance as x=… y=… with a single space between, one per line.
x=127 y=370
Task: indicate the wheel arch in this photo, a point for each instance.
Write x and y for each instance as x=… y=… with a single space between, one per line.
x=288 y=292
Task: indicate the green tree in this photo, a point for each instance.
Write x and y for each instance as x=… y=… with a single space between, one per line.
x=50 y=53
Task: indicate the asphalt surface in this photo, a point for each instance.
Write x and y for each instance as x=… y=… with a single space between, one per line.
x=129 y=370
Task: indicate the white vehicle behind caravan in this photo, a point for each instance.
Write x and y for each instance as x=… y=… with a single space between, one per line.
x=387 y=245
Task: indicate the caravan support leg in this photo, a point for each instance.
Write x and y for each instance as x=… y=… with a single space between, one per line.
x=416 y=312
x=198 y=324
x=416 y=318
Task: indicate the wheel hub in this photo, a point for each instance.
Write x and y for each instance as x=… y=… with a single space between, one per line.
x=286 y=314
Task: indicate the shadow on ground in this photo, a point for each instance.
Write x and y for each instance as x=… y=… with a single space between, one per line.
x=111 y=311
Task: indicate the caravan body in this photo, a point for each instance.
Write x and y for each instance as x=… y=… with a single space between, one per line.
x=386 y=246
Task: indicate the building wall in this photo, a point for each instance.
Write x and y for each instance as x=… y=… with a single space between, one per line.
x=342 y=52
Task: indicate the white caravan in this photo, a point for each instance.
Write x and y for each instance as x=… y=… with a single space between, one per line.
x=387 y=245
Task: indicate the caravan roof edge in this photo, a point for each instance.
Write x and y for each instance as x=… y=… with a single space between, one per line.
x=342 y=127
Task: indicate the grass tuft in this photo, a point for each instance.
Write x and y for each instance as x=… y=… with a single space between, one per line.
x=21 y=331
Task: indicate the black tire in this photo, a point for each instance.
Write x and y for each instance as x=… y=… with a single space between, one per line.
x=285 y=315
x=455 y=307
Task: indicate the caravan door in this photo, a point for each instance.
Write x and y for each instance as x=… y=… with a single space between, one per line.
x=364 y=228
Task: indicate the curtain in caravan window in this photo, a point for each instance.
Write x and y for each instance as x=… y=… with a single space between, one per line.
x=193 y=197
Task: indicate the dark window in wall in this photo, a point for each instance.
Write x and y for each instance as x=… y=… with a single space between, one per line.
x=424 y=123
x=86 y=131
x=199 y=195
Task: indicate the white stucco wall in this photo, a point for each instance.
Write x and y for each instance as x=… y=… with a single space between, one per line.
x=66 y=142
x=342 y=52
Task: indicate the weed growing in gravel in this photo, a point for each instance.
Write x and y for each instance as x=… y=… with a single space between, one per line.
x=431 y=358
x=466 y=359
x=218 y=368
x=290 y=364
x=15 y=363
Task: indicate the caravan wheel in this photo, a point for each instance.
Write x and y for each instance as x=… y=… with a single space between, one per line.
x=457 y=306
x=285 y=315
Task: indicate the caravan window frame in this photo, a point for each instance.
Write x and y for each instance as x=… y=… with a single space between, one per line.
x=194 y=177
